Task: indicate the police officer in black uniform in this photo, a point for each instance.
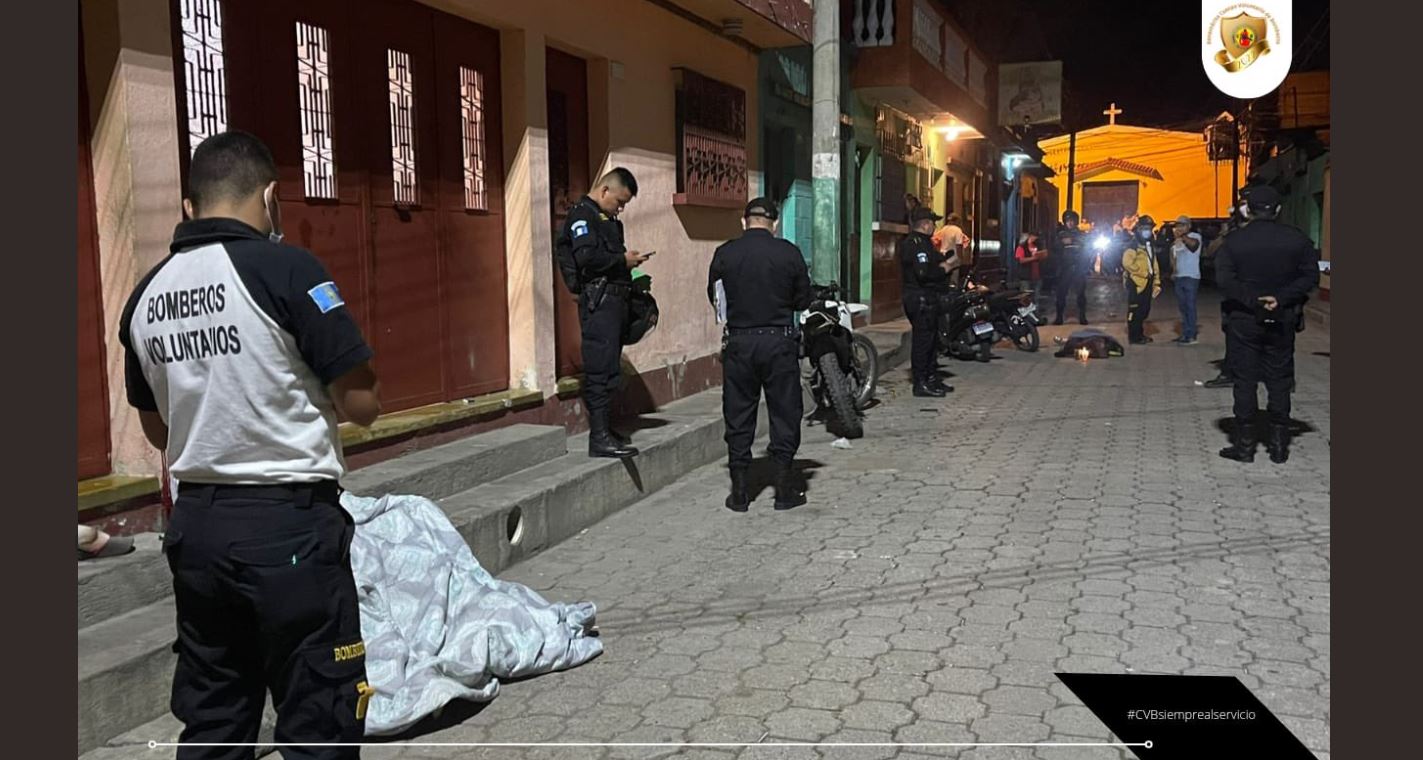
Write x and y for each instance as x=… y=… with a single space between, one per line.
x=241 y=358
x=1074 y=262
x=766 y=282
x=1265 y=272
x=593 y=236
x=926 y=280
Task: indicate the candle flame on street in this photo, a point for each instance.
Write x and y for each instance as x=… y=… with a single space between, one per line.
x=1083 y=354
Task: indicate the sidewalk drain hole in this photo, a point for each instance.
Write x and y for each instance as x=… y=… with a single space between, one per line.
x=514 y=526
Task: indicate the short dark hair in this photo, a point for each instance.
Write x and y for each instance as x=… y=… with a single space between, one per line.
x=620 y=176
x=229 y=166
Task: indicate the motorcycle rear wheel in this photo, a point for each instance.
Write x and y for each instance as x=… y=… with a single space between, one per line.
x=837 y=387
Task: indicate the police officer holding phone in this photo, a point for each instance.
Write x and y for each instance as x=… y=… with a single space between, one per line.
x=926 y=279
x=765 y=281
x=1265 y=272
x=597 y=266
x=241 y=357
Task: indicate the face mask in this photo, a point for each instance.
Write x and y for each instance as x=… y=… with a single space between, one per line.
x=1144 y=234
x=274 y=215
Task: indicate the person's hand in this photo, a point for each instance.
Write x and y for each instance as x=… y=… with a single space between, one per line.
x=635 y=259
x=1270 y=302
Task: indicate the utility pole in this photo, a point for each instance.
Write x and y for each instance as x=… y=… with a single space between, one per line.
x=825 y=144
x=1071 y=167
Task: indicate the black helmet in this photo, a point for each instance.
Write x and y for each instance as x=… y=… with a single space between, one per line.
x=1261 y=200
x=642 y=312
x=1146 y=221
x=1070 y=214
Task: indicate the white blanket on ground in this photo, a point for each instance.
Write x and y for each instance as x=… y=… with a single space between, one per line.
x=437 y=626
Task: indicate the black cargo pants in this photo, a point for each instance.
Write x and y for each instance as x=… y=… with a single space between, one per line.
x=266 y=601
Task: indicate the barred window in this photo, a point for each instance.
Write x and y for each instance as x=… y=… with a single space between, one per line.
x=476 y=192
x=203 y=69
x=402 y=126
x=318 y=152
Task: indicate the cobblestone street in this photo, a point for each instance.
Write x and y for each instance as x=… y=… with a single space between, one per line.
x=1047 y=516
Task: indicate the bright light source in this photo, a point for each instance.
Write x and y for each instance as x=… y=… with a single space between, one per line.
x=950 y=133
x=1101 y=242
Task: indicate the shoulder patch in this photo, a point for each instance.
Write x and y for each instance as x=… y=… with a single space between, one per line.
x=923 y=257
x=580 y=228
x=326 y=296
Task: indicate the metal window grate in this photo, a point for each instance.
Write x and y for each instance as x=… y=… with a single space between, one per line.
x=476 y=191
x=318 y=153
x=402 y=126
x=204 y=72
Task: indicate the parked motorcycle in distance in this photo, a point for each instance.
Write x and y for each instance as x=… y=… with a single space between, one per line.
x=843 y=367
x=1014 y=316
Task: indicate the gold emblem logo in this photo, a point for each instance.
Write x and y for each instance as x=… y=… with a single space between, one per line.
x=1244 y=39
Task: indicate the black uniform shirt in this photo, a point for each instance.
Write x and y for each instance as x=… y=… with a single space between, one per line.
x=1266 y=258
x=1072 y=249
x=921 y=264
x=597 y=241
x=765 y=279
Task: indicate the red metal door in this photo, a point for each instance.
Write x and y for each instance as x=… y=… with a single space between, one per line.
x=299 y=56
x=569 y=179
x=473 y=280
x=350 y=95
x=395 y=67
x=94 y=447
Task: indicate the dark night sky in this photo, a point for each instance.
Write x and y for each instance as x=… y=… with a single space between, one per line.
x=1142 y=55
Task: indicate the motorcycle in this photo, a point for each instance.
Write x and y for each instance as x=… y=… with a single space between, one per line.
x=840 y=367
x=966 y=328
x=1014 y=316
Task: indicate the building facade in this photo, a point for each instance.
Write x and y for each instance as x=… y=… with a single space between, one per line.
x=428 y=152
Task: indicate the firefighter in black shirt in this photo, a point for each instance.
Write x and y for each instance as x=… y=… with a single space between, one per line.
x=1265 y=272
x=241 y=357
x=765 y=282
x=926 y=279
x=597 y=266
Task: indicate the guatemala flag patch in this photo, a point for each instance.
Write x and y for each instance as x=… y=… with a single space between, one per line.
x=580 y=228
x=326 y=296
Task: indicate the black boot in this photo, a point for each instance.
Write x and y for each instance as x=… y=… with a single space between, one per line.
x=1242 y=444
x=788 y=491
x=601 y=442
x=738 y=500
x=1221 y=381
x=925 y=390
x=939 y=384
x=1278 y=444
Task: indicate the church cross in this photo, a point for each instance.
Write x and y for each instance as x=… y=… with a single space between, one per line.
x=1111 y=113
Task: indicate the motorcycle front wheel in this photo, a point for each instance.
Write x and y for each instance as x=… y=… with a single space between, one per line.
x=1028 y=340
x=837 y=388
x=864 y=375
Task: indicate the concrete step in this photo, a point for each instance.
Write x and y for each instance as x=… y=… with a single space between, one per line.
x=126 y=661
x=112 y=587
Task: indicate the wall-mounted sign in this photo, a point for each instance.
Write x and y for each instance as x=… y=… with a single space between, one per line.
x=1029 y=93
x=790 y=79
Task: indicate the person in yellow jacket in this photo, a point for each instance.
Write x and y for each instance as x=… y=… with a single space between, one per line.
x=1141 y=278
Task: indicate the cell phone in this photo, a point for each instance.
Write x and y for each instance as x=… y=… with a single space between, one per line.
x=650 y=254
